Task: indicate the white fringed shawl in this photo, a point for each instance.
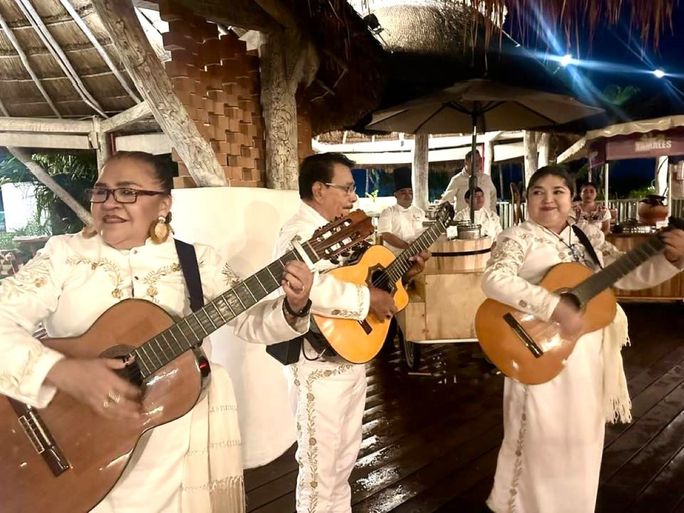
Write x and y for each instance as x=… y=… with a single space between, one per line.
x=617 y=405
x=212 y=476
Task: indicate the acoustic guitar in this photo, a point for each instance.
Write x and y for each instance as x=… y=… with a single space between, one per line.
x=359 y=341
x=65 y=458
x=532 y=351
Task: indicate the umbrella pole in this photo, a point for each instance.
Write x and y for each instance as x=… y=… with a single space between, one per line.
x=472 y=182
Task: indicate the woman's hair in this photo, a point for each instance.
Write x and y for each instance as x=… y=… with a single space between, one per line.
x=588 y=184
x=161 y=173
x=553 y=170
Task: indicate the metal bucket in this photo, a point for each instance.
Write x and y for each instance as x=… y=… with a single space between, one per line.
x=468 y=231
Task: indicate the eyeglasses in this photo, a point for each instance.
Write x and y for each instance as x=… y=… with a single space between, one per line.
x=121 y=194
x=349 y=189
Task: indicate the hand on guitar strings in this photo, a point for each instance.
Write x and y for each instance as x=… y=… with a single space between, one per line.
x=296 y=282
x=674 y=246
x=94 y=383
x=568 y=316
x=418 y=265
x=381 y=304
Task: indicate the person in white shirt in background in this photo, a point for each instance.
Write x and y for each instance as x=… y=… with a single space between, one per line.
x=401 y=224
x=459 y=184
x=488 y=220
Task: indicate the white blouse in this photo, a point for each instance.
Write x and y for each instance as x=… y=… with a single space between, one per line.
x=73 y=280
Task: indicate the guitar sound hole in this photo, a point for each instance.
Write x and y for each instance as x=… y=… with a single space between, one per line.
x=573 y=299
x=380 y=280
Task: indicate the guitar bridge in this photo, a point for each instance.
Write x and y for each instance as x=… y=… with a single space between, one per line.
x=523 y=336
x=367 y=328
x=38 y=434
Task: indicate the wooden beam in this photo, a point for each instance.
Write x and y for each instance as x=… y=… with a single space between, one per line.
x=36 y=169
x=60 y=57
x=10 y=35
x=279 y=12
x=242 y=13
x=99 y=48
x=45 y=125
x=55 y=141
x=150 y=78
x=128 y=116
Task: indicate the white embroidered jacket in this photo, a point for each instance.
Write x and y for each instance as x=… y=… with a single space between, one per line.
x=488 y=220
x=405 y=223
x=524 y=253
x=73 y=280
x=329 y=296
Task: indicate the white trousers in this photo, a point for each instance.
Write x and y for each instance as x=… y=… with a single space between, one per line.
x=329 y=399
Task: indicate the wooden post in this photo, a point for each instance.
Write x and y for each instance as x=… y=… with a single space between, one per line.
x=543 y=147
x=530 y=154
x=285 y=61
x=419 y=173
x=37 y=170
x=149 y=77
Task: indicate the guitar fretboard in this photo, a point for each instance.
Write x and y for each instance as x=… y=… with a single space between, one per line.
x=401 y=264
x=189 y=332
x=624 y=265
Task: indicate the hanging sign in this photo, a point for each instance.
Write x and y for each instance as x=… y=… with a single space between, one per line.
x=653 y=144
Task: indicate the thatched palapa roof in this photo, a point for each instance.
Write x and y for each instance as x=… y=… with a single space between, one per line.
x=57 y=60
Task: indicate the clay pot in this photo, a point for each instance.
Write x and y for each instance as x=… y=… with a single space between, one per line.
x=651 y=209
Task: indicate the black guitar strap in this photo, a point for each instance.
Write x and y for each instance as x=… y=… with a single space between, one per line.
x=188 y=263
x=585 y=242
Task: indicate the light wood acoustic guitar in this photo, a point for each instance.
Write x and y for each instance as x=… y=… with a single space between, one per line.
x=532 y=351
x=359 y=341
x=65 y=458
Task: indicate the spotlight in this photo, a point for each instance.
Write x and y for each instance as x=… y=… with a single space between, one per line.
x=566 y=60
x=659 y=73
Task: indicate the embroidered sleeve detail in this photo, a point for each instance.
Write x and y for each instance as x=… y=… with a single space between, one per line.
x=34 y=275
x=507 y=257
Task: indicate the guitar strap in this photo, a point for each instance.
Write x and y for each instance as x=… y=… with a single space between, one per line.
x=187 y=258
x=585 y=242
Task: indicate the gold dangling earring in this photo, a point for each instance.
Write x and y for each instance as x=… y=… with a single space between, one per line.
x=160 y=230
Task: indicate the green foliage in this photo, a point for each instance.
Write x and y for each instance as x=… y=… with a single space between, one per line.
x=642 y=192
x=74 y=172
x=620 y=95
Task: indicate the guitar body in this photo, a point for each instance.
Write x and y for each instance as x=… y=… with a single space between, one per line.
x=511 y=349
x=359 y=341
x=96 y=449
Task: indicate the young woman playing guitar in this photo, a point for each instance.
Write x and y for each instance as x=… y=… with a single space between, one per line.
x=553 y=432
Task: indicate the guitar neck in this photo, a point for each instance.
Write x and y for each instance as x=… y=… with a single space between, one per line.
x=624 y=265
x=401 y=264
x=189 y=332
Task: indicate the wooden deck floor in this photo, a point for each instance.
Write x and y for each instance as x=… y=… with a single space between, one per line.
x=430 y=439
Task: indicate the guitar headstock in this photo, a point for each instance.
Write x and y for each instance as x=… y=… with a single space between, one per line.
x=444 y=214
x=341 y=235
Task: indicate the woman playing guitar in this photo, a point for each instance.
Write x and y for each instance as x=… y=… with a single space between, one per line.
x=553 y=432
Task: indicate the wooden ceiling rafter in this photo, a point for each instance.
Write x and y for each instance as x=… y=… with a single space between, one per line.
x=24 y=59
x=99 y=48
x=58 y=54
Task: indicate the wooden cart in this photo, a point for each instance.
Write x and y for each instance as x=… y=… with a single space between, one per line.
x=445 y=296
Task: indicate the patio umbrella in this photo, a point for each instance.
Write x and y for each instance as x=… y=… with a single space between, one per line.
x=480 y=105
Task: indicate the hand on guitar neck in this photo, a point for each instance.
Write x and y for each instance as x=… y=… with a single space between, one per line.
x=674 y=246
x=94 y=383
